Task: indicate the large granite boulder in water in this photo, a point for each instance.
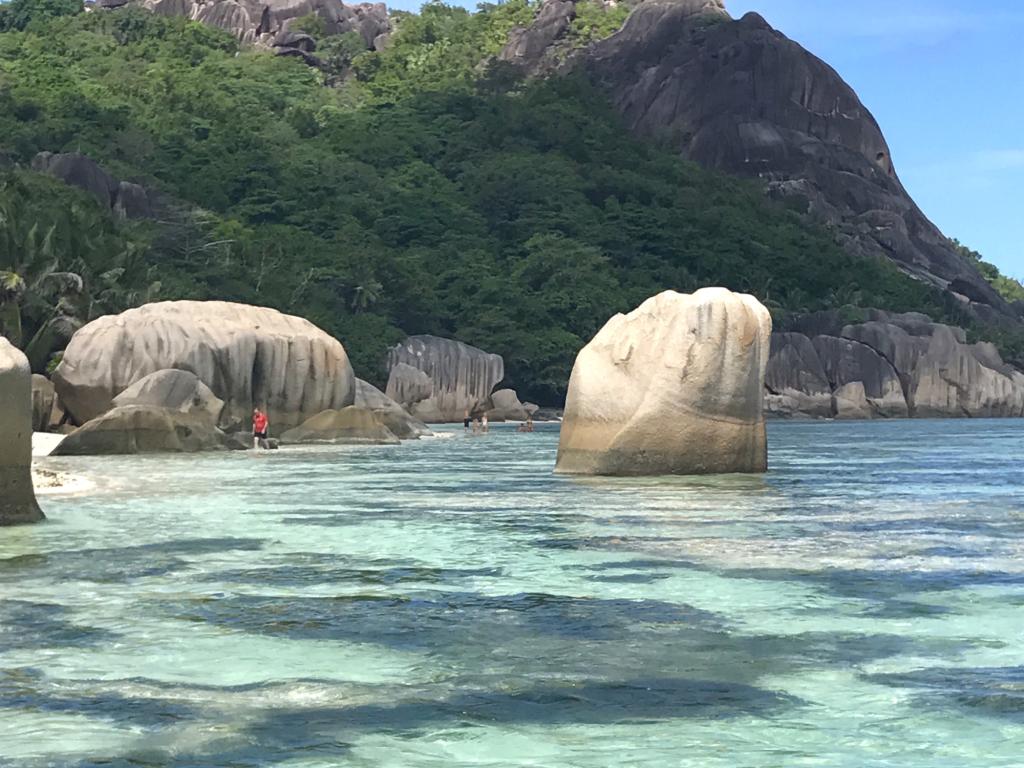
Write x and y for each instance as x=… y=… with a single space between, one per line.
x=461 y=377
x=144 y=429
x=17 y=497
x=391 y=414
x=674 y=387
x=246 y=355
x=351 y=425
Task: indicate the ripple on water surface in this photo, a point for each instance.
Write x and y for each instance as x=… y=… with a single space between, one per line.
x=452 y=602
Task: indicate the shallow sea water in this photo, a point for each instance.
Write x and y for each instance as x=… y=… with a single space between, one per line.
x=451 y=602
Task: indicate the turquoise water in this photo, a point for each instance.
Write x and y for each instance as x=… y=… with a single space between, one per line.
x=450 y=602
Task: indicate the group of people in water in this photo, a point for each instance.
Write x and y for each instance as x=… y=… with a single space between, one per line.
x=477 y=422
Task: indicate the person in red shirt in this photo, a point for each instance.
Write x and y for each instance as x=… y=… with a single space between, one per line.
x=260 y=423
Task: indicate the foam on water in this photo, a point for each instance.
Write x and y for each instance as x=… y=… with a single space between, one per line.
x=451 y=602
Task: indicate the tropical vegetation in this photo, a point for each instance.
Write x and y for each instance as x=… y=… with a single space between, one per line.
x=422 y=189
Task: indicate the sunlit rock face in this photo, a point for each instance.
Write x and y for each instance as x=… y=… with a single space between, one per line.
x=673 y=387
x=247 y=356
x=17 y=497
x=439 y=380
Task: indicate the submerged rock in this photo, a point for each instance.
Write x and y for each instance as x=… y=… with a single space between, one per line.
x=144 y=429
x=461 y=377
x=173 y=389
x=391 y=414
x=246 y=355
x=351 y=425
x=17 y=496
x=674 y=387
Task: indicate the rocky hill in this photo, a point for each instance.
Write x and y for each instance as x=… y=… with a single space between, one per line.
x=508 y=178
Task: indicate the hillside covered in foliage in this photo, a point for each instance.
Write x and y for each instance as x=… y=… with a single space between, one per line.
x=421 y=189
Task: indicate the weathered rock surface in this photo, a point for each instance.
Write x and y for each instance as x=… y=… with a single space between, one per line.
x=43 y=396
x=126 y=199
x=740 y=97
x=268 y=22
x=408 y=386
x=174 y=389
x=891 y=366
x=849 y=362
x=144 y=429
x=461 y=377
x=391 y=414
x=795 y=380
x=246 y=355
x=350 y=425
x=674 y=387
x=505 y=406
x=17 y=497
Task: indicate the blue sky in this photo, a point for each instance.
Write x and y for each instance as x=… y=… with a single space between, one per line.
x=945 y=80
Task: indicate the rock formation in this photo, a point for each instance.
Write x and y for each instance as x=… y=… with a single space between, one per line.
x=246 y=355
x=674 y=387
x=505 y=406
x=391 y=414
x=351 y=425
x=17 y=497
x=144 y=429
x=740 y=97
x=890 y=366
x=43 y=397
x=268 y=22
x=174 y=389
x=125 y=199
x=461 y=377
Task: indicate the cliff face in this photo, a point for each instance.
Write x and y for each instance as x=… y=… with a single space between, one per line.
x=890 y=366
x=739 y=96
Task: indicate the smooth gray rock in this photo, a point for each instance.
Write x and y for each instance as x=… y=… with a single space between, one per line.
x=79 y=171
x=390 y=413
x=849 y=362
x=269 y=21
x=348 y=426
x=17 y=496
x=796 y=382
x=408 y=386
x=505 y=406
x=131 y=201
x=902 y=365
x=144 y=429
x=43 y=396
x=248 y=356
x=461 y=377
x=174 y=389
x=530 y=47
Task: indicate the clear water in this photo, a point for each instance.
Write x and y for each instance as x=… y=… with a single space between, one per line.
x=452 y=603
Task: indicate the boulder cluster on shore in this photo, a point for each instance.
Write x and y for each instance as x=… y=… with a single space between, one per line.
x=185 y=376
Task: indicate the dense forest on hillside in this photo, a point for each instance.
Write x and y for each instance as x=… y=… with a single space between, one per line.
x=424 y=189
